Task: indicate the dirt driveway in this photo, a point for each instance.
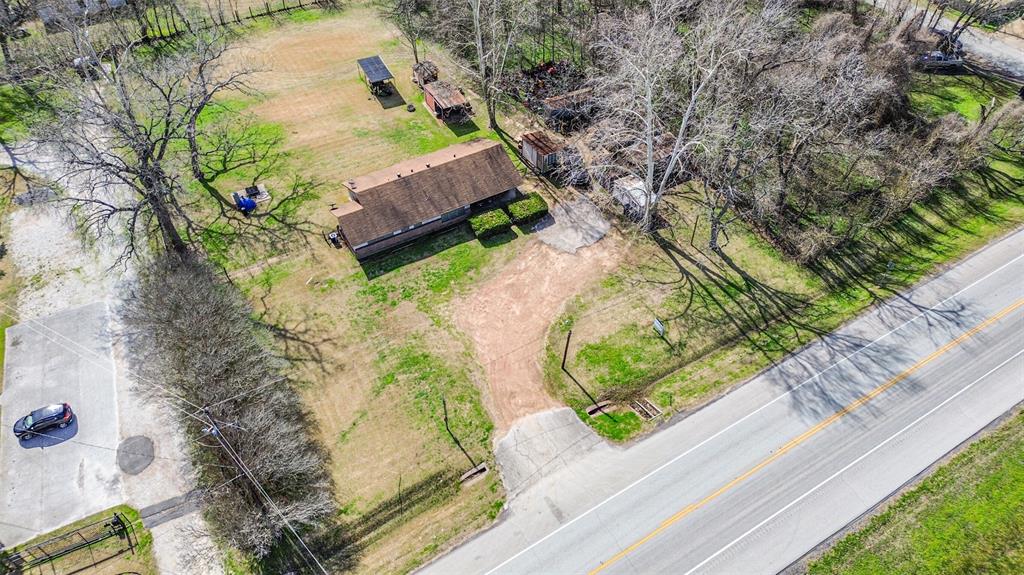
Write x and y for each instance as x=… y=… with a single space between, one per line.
x=508 y=316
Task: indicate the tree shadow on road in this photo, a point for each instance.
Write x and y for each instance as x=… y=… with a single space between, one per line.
x=777 y=324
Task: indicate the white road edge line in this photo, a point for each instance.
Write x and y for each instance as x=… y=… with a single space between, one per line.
x=854 y=462
x=748 y=416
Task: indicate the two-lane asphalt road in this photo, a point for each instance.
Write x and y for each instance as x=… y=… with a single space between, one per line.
x=755 y=480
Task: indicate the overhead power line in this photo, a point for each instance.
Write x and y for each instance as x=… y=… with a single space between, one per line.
x=263 y=492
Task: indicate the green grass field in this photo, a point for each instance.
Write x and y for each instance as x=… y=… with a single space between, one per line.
x=18 y=109
x=967 y=517
x=938 y=94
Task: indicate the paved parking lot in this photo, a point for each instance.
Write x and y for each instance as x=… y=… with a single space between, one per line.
x=51 y=480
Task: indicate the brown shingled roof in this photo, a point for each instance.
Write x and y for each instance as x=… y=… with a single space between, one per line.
x=446 y=94
x=419 y=189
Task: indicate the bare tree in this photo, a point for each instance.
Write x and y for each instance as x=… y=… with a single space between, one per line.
x=641 y=58
x=659 y=88
x=412 y=19
x=194 y=340
x=127 y=130
x=1007 y=125
x=971 y=12
x=805 y=135
x=487 y=32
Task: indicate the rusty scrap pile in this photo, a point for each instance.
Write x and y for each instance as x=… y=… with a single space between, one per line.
x=532 y=86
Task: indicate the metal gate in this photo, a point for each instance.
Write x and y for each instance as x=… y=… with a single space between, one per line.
x=82 y=538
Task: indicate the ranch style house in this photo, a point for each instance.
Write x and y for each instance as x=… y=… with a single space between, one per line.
x=395 y=205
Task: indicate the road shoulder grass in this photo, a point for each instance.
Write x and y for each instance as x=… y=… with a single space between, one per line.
x=967 y=517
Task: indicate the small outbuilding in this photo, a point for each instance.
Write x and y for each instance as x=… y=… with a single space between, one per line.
x=424 y=73
x=629 y=191
x=375 y=73
x=446 y=101
x=540 y=151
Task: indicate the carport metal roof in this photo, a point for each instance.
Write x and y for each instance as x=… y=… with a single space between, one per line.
x=375 y=69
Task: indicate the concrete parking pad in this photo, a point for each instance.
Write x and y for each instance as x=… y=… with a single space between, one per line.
x=52 y=480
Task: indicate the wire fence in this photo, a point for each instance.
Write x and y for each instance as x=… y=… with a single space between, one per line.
x=168 y=23
x=72 y=543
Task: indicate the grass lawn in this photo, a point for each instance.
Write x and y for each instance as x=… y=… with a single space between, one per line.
x=728 y=320
x=967 y=517
x=939 y=94
x=109 y=557
x=335 y=127
x=375 y=342
x=330 y=127
x=378 y=352
x=17 y=107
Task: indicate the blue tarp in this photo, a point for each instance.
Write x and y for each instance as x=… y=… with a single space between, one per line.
x=244 y=203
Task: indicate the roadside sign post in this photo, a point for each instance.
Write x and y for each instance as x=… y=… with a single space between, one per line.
x=659 y=328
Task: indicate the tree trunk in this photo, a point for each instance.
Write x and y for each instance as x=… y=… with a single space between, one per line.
x=650 y=194
x=139 y=12
x=7 y=26
x=485 y=75
x=5 y=49
x=172 y=239
x=193 y=148
x=492 y=113
x=716 y=229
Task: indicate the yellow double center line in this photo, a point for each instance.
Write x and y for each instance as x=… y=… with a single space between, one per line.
x=809 y=433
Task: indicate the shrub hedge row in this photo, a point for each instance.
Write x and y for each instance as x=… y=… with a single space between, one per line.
x=490 y=223
x=528 y=209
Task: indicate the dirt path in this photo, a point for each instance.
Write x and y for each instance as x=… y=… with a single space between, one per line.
x=508 y=317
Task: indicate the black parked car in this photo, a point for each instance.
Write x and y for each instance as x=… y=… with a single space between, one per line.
x=56 y=415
